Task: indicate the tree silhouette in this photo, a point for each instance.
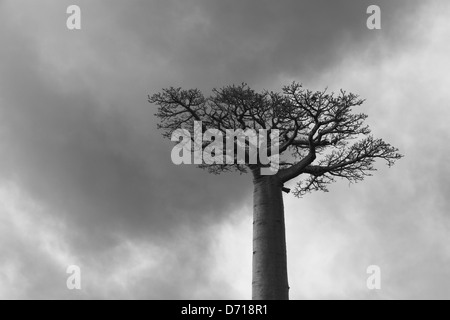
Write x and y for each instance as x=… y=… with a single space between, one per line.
x=320 y=139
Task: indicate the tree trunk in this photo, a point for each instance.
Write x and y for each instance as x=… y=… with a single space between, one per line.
x=270 y=280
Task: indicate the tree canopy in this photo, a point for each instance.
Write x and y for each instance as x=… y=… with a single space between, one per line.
x=320 y=135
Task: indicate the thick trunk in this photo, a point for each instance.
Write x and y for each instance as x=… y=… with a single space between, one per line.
x=270 y=281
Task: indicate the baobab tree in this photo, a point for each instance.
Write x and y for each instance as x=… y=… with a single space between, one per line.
x=320 y=139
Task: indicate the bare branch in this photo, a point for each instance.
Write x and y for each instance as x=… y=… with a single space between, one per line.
x=353 y=164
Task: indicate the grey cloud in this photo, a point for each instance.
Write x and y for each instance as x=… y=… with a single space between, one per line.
x=250 y=41
x=83 y=142
x=105 y=171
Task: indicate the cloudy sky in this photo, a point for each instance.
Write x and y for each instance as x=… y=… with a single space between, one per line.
x=86 y=179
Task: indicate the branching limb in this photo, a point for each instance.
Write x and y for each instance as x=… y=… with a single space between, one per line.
x=353 y=164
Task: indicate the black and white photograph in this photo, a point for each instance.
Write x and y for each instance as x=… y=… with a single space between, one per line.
x=224 y=150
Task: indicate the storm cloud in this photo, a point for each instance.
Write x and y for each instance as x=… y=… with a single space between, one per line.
x=87 y=178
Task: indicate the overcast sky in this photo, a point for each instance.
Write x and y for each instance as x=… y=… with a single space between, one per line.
x=86 y=178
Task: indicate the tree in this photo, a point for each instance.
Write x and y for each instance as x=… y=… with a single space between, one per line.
x=320 y=139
